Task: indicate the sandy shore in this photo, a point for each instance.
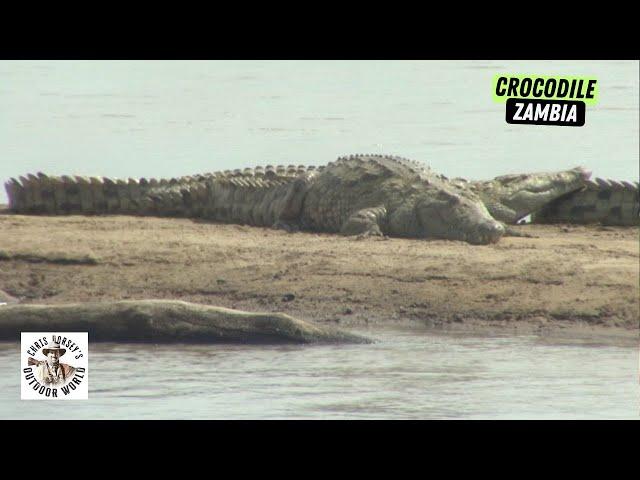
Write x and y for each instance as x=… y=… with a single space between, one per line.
x=574 y=281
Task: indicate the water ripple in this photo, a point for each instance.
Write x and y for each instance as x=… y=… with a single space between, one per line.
x=409 y=374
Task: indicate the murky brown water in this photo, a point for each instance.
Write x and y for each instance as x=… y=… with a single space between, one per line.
x=409 y=374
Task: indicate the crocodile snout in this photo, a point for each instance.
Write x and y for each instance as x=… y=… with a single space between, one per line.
x=489 y=232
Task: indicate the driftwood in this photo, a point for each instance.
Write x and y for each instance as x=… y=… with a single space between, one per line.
x=164 y=321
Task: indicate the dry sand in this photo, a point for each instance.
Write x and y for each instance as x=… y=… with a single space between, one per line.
x=570 y=281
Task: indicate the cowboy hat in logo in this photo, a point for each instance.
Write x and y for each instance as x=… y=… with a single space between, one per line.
x=45 y=374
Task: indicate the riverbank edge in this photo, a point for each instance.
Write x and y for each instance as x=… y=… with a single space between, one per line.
x=106 y=257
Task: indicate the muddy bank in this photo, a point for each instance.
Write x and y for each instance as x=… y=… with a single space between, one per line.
x=569 y=279
x=165 y=321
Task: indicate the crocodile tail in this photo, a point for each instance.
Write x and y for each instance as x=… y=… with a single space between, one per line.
x=191 y=196
x=609 y=202
x=63 y=195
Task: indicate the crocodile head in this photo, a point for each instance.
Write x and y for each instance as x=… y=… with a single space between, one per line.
x=447 y=215
x=512 y=197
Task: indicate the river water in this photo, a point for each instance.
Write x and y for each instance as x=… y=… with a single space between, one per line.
x=172 y=118
x=407 y=374
x=164 y=119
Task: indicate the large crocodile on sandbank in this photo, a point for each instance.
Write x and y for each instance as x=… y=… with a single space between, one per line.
x=355 y=195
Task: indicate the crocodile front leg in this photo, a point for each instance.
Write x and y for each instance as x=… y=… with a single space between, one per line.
x=365 y=222
x=506 y=216
x=510 y=231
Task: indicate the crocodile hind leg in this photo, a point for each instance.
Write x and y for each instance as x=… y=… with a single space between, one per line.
x=289 y=217
x=365 y=222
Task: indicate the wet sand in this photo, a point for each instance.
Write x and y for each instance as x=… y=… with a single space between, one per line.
x=569 y=281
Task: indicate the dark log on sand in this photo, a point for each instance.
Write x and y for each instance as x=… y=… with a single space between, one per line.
x=165 y=321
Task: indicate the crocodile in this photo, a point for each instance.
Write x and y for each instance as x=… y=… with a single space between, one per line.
x=360 y=195
x=559 y=197
x=510 y=198
x=609 y=202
